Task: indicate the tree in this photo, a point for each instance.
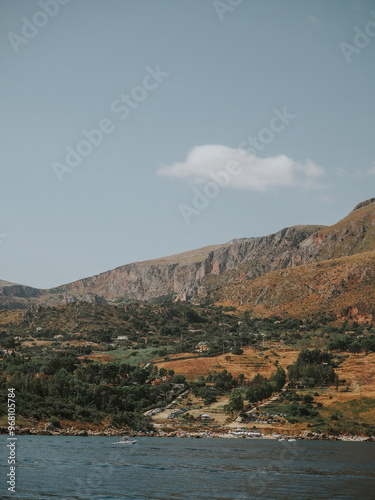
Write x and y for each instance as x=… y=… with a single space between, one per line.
x=179 y=379
x=193 y=317
x=355 y=348
x=164 y=390
x=368 y=345
x=109 y=372
x=236 y=402
x=139 y=375
x=104 y=338
x=308 y=398
x=279 y=378
x=8 y=342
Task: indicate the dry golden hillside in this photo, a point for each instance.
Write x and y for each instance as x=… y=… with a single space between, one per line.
x=344 y=286
x=250 y=363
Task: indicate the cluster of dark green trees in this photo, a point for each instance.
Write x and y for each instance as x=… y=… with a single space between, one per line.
x=301 y=406
x=219 y=383
x=346 y=343
x=258 y=389
x=261 y=388
x=312 y=368
x=62 y=387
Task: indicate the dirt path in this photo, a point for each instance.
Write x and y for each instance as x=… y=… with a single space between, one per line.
x=268 y=401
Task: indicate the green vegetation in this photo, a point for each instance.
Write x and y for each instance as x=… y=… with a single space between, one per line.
x=63 y=387
x=219 y=383
x=352 y=417
x=297 y=408
x=236 y=402
x=94 y=362
x=260 y=388
x=146 y=332
x=312 y=368
x=141 y=355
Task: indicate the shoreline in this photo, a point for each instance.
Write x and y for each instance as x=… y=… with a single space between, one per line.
x=110 y=432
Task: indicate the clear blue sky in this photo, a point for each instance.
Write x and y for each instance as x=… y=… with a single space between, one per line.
x=179 y=86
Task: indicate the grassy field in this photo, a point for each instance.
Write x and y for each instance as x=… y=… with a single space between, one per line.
x=133 y=356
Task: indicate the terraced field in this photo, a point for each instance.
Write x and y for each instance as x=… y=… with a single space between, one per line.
x=249 y=363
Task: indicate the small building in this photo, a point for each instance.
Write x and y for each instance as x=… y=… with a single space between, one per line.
x=122 y=337
x=205 y=417
x=201 y=347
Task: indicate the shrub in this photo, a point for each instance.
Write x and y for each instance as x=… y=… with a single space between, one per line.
x=54 y=421
x=237 y=351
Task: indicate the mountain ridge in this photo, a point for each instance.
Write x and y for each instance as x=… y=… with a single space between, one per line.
x=208 y=273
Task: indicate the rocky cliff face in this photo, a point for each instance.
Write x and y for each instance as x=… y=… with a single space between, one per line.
x=341 y=287
x=191 y=275
x=204 y=272
x=331 y=271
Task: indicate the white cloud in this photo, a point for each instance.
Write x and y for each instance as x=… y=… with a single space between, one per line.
x=360 y=173
x=253 y=173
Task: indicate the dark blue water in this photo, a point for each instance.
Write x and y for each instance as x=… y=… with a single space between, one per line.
x=50 y=467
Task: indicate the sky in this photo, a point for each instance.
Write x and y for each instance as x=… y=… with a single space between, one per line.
x=132 y=130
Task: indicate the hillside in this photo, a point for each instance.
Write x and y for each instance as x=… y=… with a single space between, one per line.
x=343 y=287
x=181 y=276
x=84 y=365
x=274 y=273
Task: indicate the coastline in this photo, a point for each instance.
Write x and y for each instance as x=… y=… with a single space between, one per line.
x=108 y=432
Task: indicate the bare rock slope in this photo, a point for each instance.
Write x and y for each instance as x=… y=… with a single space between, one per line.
x=213 y=271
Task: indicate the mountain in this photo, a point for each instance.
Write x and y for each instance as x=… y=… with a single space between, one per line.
x=13 y=295
x=298 y=270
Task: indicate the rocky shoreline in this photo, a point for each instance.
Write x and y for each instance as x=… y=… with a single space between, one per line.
x=51 y=430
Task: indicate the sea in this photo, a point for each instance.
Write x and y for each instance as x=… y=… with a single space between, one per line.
x=96 y=468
